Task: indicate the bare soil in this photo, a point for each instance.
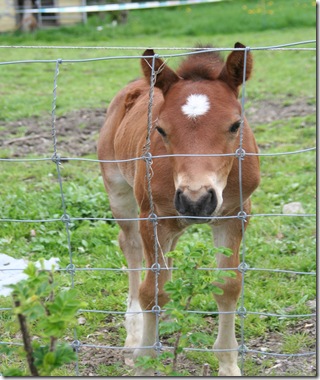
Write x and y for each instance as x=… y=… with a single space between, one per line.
x=267 y=365
x=77 y=134
x=77 y=131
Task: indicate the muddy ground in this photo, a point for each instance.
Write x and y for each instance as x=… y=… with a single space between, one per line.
x=263 y=364
x=77 y=133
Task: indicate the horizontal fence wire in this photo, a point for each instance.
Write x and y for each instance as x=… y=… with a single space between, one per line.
x=66 y=219
x=282 y=47
x=66 y=159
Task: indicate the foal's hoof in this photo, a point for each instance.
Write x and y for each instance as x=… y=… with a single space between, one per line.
x=230 y=371
x=129 y=361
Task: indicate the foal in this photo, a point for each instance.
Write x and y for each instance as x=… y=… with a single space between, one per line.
x=195 y=111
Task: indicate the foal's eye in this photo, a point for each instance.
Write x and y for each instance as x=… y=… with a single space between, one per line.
x=235 y=126
x=161 y=131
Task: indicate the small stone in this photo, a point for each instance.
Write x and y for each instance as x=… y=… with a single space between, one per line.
x=82 y=321
x=279 y=235
x=277 y=366
x=312 y=304
x=293 y=208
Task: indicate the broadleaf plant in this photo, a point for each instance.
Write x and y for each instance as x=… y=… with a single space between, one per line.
x=37 y=301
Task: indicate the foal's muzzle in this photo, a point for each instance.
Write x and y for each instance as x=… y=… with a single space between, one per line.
x=204 y=206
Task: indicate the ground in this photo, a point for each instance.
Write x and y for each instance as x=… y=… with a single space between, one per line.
x=77 y=134
x=91 y=359
x=77 y=131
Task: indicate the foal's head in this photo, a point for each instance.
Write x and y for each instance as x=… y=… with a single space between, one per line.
x=200 y=115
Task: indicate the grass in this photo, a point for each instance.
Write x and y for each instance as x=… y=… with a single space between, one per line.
x=29 y=190
x=96 y=83
x=238 y=16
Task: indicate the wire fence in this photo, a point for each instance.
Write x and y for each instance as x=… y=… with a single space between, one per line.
x=67 y=219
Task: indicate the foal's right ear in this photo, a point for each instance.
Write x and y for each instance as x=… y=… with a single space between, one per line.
x=165 y=77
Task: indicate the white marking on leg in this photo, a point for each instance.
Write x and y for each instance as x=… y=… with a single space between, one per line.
x=226 y=340
x=134 y=327
x=134 y=324
x=196 y=105
x=148 y=339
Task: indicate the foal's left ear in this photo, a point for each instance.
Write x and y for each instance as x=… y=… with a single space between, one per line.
x=232 y=72
x=165 y=77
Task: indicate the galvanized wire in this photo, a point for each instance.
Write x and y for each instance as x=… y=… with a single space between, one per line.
x=65 y=217
x=142 y=48
x=151 y=157
x=12 y=220
x=240 y=154
x=155 y=267
x=282 y=47
x=242 y=214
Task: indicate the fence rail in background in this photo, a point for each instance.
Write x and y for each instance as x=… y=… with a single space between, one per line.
x=116 y=7
x=66 y=219
x=78 y=11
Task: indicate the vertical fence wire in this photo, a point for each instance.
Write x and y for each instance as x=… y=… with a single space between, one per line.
x=242 y=215
x=65 y=217
x=153 y=218
x=156 y=309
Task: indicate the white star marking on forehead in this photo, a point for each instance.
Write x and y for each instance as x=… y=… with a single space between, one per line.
x=196 y=105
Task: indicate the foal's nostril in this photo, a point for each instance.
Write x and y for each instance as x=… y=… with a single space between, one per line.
x=210 y=204
x=204 y=206
x=180 y=202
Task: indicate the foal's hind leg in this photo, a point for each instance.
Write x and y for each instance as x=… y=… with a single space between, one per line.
x=130 y=243
x=228 y=234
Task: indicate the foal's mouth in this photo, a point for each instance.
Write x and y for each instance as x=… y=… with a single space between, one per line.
x=197 y=219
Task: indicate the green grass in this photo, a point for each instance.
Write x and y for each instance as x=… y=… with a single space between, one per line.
x=30 y=190
x=96 y=83
x=221 y=18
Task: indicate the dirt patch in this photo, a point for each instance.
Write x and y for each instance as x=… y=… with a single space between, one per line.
x=77 y=132
x=286 y=365
x=266 y=111
x=263 y=363
x=268 y=365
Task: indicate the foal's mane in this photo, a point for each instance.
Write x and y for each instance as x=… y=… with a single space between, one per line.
x=201 y=66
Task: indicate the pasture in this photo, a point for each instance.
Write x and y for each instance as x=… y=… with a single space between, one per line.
x=280 y=107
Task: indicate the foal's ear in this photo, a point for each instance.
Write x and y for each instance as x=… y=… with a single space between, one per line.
x=232 y=72
x=165 y=77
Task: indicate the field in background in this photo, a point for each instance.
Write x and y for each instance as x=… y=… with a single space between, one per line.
x=254 y=23
x=281 y=110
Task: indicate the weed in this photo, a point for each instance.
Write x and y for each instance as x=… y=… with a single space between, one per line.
x=180 y=324
x=37 y=304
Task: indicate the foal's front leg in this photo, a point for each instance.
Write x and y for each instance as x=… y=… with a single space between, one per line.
x=124 y=206
x=228 y=234
x=152 y=296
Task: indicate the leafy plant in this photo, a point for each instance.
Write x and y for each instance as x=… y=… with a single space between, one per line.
x=37 y=304
x=189 y=283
